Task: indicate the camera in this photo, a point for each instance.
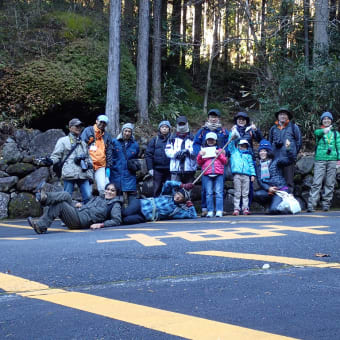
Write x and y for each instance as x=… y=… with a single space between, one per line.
x=278 y=144
x=329 y=150
x=83 y=165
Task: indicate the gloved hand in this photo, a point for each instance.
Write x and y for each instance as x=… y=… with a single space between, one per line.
x=107 y=172
x=234 y=134
x=151 y=172
x=189 y=204
x=178 y=155
x=46 y=161
x=327 y=129
x=187 y=186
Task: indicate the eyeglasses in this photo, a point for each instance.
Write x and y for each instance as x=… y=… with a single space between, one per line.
x=112 y=190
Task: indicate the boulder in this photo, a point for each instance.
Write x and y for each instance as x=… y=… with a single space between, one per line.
x=10 y=152
x=20 y=169
x=3 y=165
x=6 y=183
x=3 y=174
x=24 y=205
x=4 y=199
x=228 y=203
x=43 y=144
x=24 y=137
x=30 y=182
x=305 y=165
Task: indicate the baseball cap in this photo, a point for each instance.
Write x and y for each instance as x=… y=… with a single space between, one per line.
x=75 y=122
x=181 y=119
x=216 y=112
x=103 y=118
x=211 y=135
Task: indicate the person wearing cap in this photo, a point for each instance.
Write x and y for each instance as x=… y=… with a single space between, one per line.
x=243 y=170
x=269 y=175
x=327 y=153
x=282 y=130
x=77 y=167
x=213 y=180
x=173 y=203
x=211 y=125
x=157 y=162
x=98 y=142
x=124 y=165
x=180 y=151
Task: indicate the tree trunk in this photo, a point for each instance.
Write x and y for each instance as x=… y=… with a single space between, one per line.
x=175 y=34
x=332 y=10
x=129 y=26
x=306 y=20
x=142 y=62
x=113 y=73
x=164 y=29
x=197 y=42
x=262 y=55
x=98 y=6
x=156 y=54
x=321 y=44
x=286 y=12
x=184 y=35
x=226 y=35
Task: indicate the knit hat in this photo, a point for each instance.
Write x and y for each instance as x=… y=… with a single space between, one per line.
x=103 y=118
x=241 y=115
x=285 y=110
x=211 y=135
x=216 y=112
x=185 y=193
x=128 y=126
x=326 y=114
x=265 y=145
x=164 y=122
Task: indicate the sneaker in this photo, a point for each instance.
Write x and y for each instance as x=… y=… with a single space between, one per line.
x=310 y=209
x=236 y=212
x=210 y=214
x=204 y=213
x=219 y=214
x=40 y=192
x=36 y=228
x=246 y=211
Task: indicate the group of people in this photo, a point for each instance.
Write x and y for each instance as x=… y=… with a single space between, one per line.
x=172 y=158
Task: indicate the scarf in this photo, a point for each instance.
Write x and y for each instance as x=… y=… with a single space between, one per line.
x=212 y=126
x=182 y=128
x=265 y=170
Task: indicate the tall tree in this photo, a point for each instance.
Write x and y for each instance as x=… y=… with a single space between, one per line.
x=164 y=29
x=286 y=12
x=226 y=56
x=332 y=10
x=156 y=54
x=306 y=20
x=263 y=45
x=142 y=62
x=129 y=26
x=113 y=73
x=321 y=44
x=175 y=33
x=197 y=42
x=184 y=34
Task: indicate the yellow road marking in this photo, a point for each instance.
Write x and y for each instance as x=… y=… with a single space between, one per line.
x=18 y=238
x=269 y=258
x=177 y=324
x=50 y=229
x=128 y=229
x=207 y=221
x=309 y=230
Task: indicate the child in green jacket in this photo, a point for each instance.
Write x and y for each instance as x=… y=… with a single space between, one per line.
x=326 y=156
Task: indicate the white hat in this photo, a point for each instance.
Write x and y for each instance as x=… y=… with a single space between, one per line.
x=243 y=141
x=211 y=135
x=103 y=118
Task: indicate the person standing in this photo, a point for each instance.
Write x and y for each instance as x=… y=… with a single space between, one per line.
x=98 y=141
x=180 y=151
x=282 y=130
x=157 y=162
x=77 y=164
x=327 y=153
x=124 y=164
x=211 y=125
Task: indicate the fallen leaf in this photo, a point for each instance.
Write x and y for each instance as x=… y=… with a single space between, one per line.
x=322 y=255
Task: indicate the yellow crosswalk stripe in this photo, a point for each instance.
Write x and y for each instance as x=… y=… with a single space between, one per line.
x=177 y=324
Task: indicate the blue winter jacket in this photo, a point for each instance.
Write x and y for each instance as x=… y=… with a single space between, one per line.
x=241 y=161
x=222 y=138
x=120 y=175
x=155 y=156
x=164 y=207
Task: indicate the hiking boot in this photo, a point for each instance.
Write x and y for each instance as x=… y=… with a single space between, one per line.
x=246 y=211
x=236 y=212
x=36 y=228
x=210 y=214
x=219 y=214
x=40 y=192
x=204 y=213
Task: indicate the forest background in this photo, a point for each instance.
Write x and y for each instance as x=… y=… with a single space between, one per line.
x=145 y=61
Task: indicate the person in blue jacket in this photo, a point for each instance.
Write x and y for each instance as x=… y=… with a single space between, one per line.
x=211 y=125
x=123 y=169
x=173 y=203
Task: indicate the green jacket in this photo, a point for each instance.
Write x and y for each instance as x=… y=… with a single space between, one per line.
x=330 y=141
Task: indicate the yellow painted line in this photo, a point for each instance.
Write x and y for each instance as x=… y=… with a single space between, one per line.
x=269 y=258
x=207 y=221
x=17 y=238
x=177 y=324
x=146 y=240
x=50 y=229
x=128 y=229
x=308 y=230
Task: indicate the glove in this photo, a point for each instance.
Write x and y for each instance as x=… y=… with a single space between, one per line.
x=187 y=186
x=189 y=204
x=78 y=159
x=46 y=161
x=234 y=134
x=178 y=155
x=107 y=172
x=327 y=129
x=151 y=172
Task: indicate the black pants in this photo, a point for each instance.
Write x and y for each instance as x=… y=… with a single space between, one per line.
x=160 y=176
x=263 y=197
x=132 y=214
x=288 y=174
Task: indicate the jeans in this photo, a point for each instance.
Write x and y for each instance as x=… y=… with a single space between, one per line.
x=83 y=185
x=133 y=213
x=214 y=185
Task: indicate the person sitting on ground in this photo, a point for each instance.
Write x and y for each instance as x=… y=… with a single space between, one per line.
x=212 y=179
x=99 y=212
x=157 y=162
x=327 y=153
x=269 y=175
x=173 y=203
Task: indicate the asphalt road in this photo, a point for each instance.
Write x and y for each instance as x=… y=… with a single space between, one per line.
x=255 y=277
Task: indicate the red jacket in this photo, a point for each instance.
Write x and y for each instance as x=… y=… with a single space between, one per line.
x=217 y=168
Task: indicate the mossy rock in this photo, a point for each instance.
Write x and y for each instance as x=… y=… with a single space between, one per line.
x=24 y=205
x=20 y=169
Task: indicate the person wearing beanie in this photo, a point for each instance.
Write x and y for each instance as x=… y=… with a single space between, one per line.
x=211 y=125
x=173 y=203
x=98 y=141
x=212 y=179
x=282 y=130
x=327 y=155
x=269 y=175
x=243 y=170
x=125 y=164
x=157 y=162
x=180 y=151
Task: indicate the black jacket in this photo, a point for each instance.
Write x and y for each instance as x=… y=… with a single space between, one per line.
x=155 y=153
